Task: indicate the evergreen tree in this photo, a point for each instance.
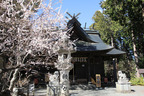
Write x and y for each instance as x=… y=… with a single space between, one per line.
x=129 y=13
x=108 y=29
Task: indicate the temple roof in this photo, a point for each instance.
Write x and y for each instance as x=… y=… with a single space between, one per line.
x=78 y=31
x=89 y=40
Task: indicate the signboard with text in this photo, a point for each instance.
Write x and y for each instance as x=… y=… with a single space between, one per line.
x=98 y=80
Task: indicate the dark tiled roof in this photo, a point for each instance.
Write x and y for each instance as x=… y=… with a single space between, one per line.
x=89 y=40
x=87 y=46
x=115 y=52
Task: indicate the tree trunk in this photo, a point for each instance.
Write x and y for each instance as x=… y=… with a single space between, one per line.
x=135 y=54
x=13 y=79
x=112 y=41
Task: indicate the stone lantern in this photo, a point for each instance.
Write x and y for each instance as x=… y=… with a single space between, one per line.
x=64 y=64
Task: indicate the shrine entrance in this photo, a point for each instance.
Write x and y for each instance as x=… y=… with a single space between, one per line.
x=81 y=72
x=86 y=68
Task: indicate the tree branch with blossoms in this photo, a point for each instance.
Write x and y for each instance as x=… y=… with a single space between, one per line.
x=29 y=30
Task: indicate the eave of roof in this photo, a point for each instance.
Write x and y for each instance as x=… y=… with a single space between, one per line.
x=87 y=46
x=115 y=52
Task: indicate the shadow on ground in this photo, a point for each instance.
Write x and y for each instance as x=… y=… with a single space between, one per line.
x=85 y=87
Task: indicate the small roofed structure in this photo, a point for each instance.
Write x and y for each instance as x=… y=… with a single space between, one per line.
x=91 y=52
x=141 y=72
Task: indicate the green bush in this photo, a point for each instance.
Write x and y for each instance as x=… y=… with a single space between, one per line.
x=137 y=81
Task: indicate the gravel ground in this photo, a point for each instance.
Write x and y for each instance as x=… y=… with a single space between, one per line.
x=135 y=91
x=107 y=91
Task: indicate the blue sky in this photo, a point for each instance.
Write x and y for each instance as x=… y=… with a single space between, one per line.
x=87 y=9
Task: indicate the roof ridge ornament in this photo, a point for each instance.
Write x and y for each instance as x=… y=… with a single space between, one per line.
x=76 y=16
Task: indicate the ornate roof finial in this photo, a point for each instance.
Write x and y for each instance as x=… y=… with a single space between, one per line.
x=76 y=16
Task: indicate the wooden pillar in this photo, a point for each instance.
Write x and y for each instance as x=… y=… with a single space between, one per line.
x=114 y=70
x=89 y=74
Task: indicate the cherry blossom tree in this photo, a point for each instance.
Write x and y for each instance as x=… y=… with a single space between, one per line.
x=30 y=33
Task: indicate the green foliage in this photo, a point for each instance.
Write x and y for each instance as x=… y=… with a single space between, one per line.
x=141 y=62
x=127 y=66
x=137 y=81
x=128 y=13
x=108 y=29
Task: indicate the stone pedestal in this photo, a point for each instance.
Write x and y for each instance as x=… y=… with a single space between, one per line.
x=15 y=92
x=64 y=82
x=53 y=86
x=123 y=87
x=50 y=91
x=18 y=91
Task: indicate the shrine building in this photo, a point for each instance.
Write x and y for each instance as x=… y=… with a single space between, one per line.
x=90 y=55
